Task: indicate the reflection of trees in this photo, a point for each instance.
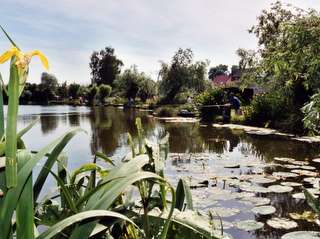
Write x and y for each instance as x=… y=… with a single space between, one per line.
x=74 y=119
x=269 y=148
x=110 y=126
x=48 y=123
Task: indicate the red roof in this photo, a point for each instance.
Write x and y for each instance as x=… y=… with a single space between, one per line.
x=221 y=80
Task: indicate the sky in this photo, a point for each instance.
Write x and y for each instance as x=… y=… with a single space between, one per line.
x=143 y=32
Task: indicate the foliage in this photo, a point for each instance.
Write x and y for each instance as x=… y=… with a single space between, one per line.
x=132 y=83
x=287 y=55
x=311 y=113
x=105 y=66
x=212 y=96
x=104 y=91
x=217 y=70
x=272 y=110
x=74 y=90
x=49 y=85
x=181 y=74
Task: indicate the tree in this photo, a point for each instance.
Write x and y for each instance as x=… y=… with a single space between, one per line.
x=147 y=88
x=62 y=90
x=181 y=74
x=217 y=70
x=104 y=91
x=74 y=90
x=48 y=86
x=287 y=57
x=105 y=66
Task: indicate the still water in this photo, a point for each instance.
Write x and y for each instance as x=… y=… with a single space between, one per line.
x=198 y=153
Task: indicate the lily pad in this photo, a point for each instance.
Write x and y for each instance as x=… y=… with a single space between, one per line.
x=280 y=189
x=284 y=175
x=256 y=201
x=249 y=225
x=284 y=159
x=232 y=166
x=291 y=184
x=302 y=235
x=263 y=180
x=316 y=160
x=307 y=167
x=304 y=172
x=254 y=189
x=282 y=223
x=299 y=196
x=306 y=215
x=301 y=163
x=291 y=166
x=224 y=212
x=264 y=210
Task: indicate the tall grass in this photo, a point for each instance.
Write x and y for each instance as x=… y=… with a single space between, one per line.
x=91 y=201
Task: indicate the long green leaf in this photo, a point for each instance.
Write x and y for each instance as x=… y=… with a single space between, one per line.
x=183 y=194
x=1 y=109
x=25 y=207
x=93 y=214
x=105 y=158
x=62 y=164
x=50 y=161
x=12 y=196
x=66 y=193
x=11 y=129
x=110 y=192
x=9 y=38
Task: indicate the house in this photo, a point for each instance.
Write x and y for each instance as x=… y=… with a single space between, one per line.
x=222 y=80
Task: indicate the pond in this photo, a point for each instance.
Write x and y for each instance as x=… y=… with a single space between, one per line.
x=231 y=173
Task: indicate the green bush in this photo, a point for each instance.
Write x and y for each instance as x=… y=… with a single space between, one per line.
x=266 y=108
x=212 y=96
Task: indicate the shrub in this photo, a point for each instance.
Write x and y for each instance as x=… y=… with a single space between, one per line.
x=212 y=96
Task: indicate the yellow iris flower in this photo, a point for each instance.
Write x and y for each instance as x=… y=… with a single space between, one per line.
x=23 y=59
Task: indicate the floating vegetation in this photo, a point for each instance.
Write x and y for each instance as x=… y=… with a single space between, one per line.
x=225 y=212
x=285 y=175
x=306 y=215
x=316 y=160
x=299 y=196
x=264 y=210
x=291 y=184
x=301 y=163
x=263 y=180
x=254 y=188
x=232 y=166
x=282 y=223
x=249 y=225
x=307 y=167
x=302 y=234
x=290 y=166
x=284 y=159
x=256 y=201
x=280 y=189
x=304 y=172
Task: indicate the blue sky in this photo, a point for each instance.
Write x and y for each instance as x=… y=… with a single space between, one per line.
x=143 y=32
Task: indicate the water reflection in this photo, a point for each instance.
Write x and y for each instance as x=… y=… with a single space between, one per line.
x=49 y=123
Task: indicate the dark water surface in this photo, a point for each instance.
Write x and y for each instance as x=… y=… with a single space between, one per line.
x=198 y=153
